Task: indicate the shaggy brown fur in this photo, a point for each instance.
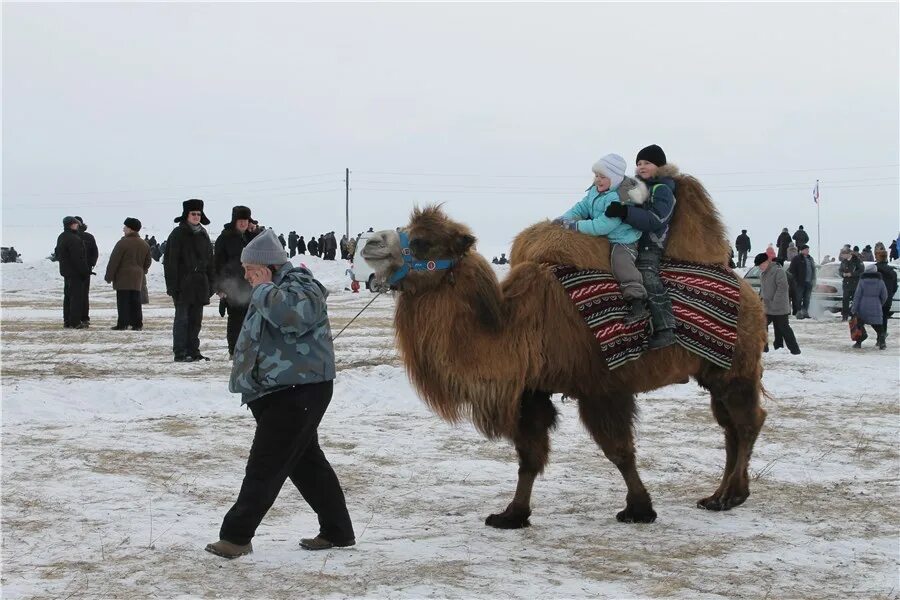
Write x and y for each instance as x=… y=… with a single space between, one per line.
x=494 y=354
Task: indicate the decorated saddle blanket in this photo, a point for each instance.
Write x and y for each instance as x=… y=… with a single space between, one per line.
x=705 y=301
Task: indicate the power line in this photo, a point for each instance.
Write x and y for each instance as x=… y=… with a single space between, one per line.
x=175 y=187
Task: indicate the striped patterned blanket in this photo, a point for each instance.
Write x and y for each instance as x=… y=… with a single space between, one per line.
x=705 y=300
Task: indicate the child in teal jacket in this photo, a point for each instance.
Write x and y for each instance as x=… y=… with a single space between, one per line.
x=588 y=216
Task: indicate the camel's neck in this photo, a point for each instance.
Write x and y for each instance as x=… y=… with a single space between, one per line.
x=450 y=338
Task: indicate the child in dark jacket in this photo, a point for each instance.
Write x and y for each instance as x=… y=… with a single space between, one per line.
x=652 y=218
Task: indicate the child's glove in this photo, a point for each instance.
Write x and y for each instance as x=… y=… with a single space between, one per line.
x=566 y=223
x=616 y=209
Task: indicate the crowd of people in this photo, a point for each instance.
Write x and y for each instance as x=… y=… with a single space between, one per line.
x=868 y=284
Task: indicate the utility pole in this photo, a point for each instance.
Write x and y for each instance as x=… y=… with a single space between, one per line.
x=347 y=203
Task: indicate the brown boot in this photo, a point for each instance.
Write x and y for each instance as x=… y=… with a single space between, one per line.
x=320 y=543
x=228 y=550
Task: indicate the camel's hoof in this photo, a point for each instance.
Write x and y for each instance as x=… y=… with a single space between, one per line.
x=719 y=503
x=634 y=514
x=506 y=521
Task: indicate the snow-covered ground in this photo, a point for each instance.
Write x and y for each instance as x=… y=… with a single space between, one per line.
x=118 y=466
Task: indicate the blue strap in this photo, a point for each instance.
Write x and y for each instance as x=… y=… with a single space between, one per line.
x=410 y=263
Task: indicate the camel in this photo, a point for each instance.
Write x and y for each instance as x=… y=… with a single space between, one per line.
x=494 y=353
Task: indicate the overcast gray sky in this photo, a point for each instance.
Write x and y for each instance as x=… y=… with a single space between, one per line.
x=498 y=110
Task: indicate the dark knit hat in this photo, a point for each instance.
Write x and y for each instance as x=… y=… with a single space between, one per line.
x=191 y=205
x=240 y=212
x=69 y=220
x=802 y=248
x=132 y=224
x=652 y=153
x=760 y=258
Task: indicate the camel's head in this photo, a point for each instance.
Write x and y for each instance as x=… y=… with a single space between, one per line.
x=433 y=245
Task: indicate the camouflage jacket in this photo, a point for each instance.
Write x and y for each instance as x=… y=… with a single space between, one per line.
x=285 y=339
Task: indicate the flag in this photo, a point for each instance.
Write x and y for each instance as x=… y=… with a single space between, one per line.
x=816 y=192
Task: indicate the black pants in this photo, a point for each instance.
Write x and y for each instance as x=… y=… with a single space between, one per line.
x=880 y=331
x=186 y=329
x=128 y=306
x=886 y=314
x=849 y=289
x=86 y=315
x=742 y=258
x=804 y=293
x=74 y=295
x=286 y=444
x=784 y=335
x=236 y=316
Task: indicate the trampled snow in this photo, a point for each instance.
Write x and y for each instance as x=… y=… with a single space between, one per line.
x=118 y=466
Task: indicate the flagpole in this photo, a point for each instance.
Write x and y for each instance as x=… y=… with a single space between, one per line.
x=818 y=226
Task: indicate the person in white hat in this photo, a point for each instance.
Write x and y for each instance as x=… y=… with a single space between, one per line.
x=588 y=217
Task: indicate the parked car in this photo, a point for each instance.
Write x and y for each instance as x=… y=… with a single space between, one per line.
x=359 y=269
x=828 y=295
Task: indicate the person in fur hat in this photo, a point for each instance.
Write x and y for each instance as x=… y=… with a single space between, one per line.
x=652 y=218
x=889 y=276
x=230 y=284
x=190 y=272
x=126 y=271
x=588 y=216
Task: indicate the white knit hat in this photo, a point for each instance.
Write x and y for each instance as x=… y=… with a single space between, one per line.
x=613 y=167
x=264 y=249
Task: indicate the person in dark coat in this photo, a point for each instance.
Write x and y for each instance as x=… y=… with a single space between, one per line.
x=281 y=240
x=783 y=241
x=313 y=246
x=652 y=219
x=301 y=245
x=851 y=270
x=321 y=246
x=893 y=250
x=742 y=244
x=773 y=289
x=230 y=284
x=800 y=237
x=190 y=272
x=284 y=370
x=76 y=271
x=127 y=267
x=93 y=254
x=803 y=268
x=292 y=243
x=868 y=303
x=889 y=276
x=866 y=254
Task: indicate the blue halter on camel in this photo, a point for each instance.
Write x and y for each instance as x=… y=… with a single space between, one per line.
x=410 y=263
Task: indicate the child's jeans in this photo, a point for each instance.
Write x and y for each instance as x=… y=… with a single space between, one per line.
x=657 y=299
x=621 y=260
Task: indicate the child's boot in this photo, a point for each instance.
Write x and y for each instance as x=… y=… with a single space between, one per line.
x=638 y=312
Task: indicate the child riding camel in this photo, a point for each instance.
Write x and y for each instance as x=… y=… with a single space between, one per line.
x=590 y=216
x=653 y=218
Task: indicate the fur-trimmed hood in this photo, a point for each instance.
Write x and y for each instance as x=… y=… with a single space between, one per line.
x=638 y=191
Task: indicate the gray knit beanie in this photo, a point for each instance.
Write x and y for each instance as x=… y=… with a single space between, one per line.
x=264 y=249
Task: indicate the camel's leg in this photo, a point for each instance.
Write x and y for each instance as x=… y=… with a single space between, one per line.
x=610 y=421
x=537 y=416
x=731 y=444
x=737 y=408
